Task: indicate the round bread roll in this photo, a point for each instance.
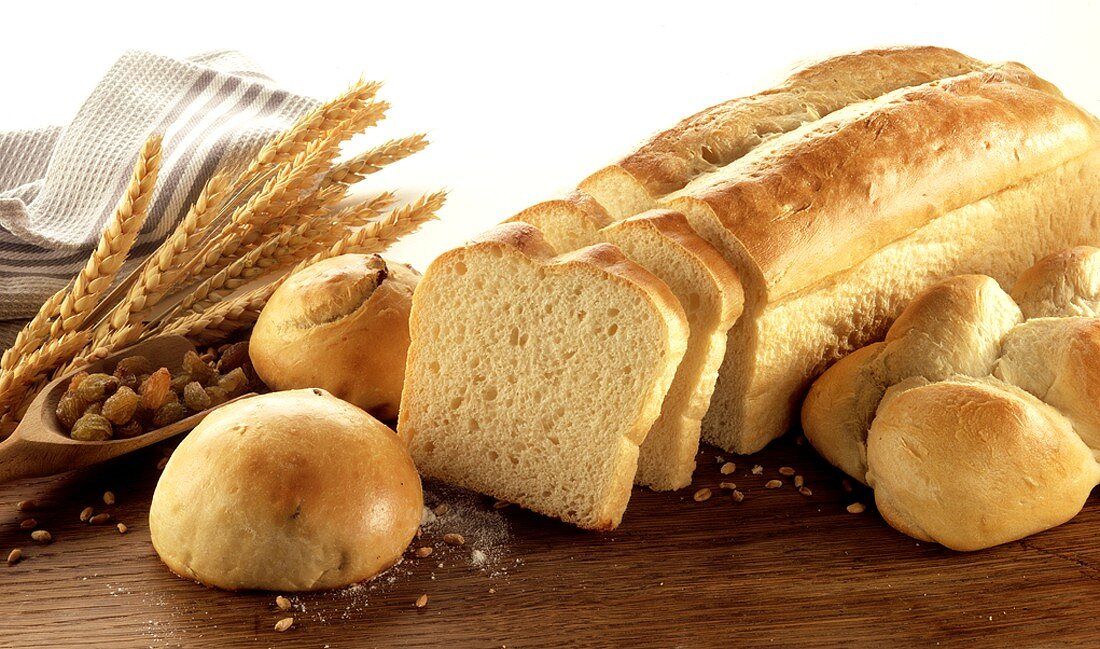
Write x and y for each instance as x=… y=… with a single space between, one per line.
x=287 y=491
x=342 y=325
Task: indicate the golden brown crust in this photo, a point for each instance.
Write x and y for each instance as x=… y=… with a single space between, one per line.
x=257 y=496
x=1066 y=283
x=720 y=134
x=822 y=198
x=338 y=327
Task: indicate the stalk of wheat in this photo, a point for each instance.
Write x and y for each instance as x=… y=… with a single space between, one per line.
x=260 y=223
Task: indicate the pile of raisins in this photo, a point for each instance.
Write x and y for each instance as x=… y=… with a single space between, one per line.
x=138 y=397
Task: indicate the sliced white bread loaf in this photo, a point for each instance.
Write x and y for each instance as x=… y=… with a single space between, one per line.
x=534 y=378
x=841 y=193
x=708 y=289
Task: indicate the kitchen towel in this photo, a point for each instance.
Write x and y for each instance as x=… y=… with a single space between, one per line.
x=59 y=185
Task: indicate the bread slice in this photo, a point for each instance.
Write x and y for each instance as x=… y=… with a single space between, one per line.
x=533 y=377
x=708 y=289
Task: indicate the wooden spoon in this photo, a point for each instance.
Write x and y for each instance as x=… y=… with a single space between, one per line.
x=39 y=446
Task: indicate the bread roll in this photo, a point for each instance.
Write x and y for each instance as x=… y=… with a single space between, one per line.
x=974 y=426
x=341 y=325
x=287 y=491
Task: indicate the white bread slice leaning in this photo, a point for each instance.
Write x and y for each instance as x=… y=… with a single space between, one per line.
x=708 y=289
x=533 y=378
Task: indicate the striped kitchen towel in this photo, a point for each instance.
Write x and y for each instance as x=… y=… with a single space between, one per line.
x=59 y=185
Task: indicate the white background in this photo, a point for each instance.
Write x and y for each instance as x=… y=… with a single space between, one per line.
x=521 y=100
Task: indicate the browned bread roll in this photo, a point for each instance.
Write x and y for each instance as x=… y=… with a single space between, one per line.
x=341 y=325
x=976 y=421
x=286 y=491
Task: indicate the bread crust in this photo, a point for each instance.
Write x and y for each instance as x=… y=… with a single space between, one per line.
x=317 y=330
x=258 y=497
x=821 y=199
x=718 y=135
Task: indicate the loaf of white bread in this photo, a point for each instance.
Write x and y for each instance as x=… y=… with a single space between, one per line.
x=834 y=198
x=977 y=420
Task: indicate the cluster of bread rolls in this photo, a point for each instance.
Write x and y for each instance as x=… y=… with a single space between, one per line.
x=977 y=420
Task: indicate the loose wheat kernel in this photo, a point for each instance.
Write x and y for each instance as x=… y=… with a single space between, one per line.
x=737 y=496
x=727 y=485
x=422 y=601
x=284 y=624
x=701 y=495
x=856 y=508
x=799 y=481
x=441 y=508
x=501 y=504
x=805 y=491
x=28 y=523
x=85 y=514
x=160 y=467
x=122 y=528
x=15 y=556
x=108 y=498
x=727 y=468
x=102 y=517
x=773 y=484
x=425 y=551
x=41 y=536
x=283 y=603
x=27 y=505
x=453 y=539
x=846 y=484
x=786 y=470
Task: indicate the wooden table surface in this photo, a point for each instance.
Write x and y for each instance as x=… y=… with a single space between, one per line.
x=778 y=569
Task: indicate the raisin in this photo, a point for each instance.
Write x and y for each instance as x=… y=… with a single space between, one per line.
x=94 y=408
x=97 y=386
x=169 y=413
x=126 y=378
x=234 y=383
x=69 y=408
x=180 y=382
x=155 y=390
x=198 y=369
x=217 y=395
x=78 y=378
x=233 y=356
x=92 y=428
x=195 y=397
x=138 y=365
x=130 y=429
x=120 y=407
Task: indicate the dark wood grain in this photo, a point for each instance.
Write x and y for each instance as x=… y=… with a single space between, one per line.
x=778 y=569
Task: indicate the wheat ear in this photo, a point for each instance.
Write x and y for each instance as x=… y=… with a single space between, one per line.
x=378 y=235
x=119 y=235
x=15 y=382
x=34 y=332
x=373 y=160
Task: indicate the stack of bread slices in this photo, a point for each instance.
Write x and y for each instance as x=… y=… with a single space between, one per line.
x=696 y=287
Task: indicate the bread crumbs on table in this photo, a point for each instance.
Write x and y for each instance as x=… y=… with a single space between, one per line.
x=737 y=495
x=757 y=470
